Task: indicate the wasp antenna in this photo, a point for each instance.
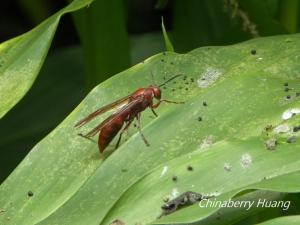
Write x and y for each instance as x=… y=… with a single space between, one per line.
x=152 y=76
x=172 y=78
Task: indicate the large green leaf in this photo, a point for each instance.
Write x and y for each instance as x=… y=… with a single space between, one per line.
x=244 y=93
x=236 y=215
x=21 y=58
x=283 y=220
x=31 y=119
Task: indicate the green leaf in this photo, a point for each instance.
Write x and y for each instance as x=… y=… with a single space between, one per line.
x=168 y=43
x=291 y=220
x=31 y=119
x=263 y=174
x=232 y=215
x=224 y=140
x=21 y=58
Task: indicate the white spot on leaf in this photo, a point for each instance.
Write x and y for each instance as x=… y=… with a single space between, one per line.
x=290 y=113
x=174 y=193
x=208 y=77
x=164 y=171
x=246 y=160
x=283 y=128
x=227 y=167
x=207 y=141
x=212 y=194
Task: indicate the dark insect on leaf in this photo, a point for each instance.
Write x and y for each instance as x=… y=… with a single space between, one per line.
x=185 y=199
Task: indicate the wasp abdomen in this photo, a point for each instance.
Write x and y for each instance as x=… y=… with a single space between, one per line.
x=108 y=132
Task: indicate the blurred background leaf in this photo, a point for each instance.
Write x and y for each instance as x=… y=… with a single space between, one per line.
x=168 y=44
x=290 y=220
x=22 y=57
x=104 y=38
x=57 y=90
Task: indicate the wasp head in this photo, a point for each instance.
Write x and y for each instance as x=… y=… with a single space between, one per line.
x=156 y=92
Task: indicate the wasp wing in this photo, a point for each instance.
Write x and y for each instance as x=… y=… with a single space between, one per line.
x=109 y=119
x=103 y=109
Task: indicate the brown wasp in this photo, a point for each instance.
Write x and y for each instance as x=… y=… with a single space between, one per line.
x=130 y=108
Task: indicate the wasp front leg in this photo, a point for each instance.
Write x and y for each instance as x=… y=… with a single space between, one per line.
x=154 y=106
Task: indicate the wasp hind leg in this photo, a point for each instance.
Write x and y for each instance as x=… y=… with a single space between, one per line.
x=124 y=129
x=87 y=137
x=138 y=117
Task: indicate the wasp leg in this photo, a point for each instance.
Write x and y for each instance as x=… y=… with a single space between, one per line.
x=124 y=129
x=84 y=136
x=164 y=100
x=138 y=117
x=168 y=101
x=155 y=114
x=155 y=105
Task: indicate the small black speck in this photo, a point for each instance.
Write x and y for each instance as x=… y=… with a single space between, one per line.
x=172 y=63
x=253 y=51
x=204 y=104
x=186 y=89
x=134 y=125
x=288 y=97
x=162 y=60
x=199 y=118
x=30 y=193
x=286 y=84
x=296 y=128
x=190 y=168
x=174 y=178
